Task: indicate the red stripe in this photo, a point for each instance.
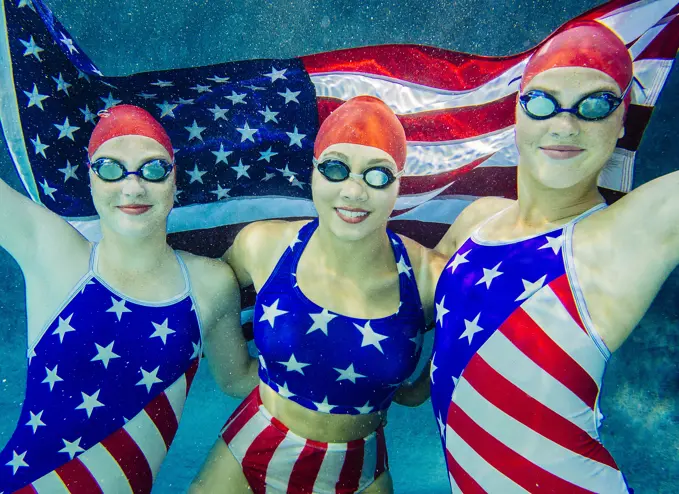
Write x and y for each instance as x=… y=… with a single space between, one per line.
x=528 y=337
x=245 y=411
x=516 y=403
x=258 y=456
x=562 y=289
x=350 y=476
x=446 y=125
x=664 y=45
x=132 y=461
x=77 y=478
x=509 y=463
x=163 y=416
x=29 y=489
x=463 y=480
x=429 y=183
x=307 y=466
x=382 y=456
x=190 y=374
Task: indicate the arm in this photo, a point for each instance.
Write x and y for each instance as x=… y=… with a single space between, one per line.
x=413 y=394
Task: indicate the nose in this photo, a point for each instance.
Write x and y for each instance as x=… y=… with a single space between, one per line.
x=353 y=189
x=564 y=125
x=133 y=186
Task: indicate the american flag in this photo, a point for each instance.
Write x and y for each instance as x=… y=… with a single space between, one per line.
x=244 y=131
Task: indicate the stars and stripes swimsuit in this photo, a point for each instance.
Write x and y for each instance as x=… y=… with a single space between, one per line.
x=517 y=370
x=106 y=385
x=328 y=363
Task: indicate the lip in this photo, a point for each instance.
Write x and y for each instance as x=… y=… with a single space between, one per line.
x=560 y=152
x=351 y=220
x=134 y=209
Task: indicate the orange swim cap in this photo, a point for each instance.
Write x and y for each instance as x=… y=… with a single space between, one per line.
x=587 y=44
x=364 y=120
x=125 y=120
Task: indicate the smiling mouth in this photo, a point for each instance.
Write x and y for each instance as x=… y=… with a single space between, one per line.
x=134 y=209
x=352 y=216
x=562 y=152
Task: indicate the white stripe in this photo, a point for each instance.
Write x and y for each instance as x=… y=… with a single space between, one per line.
x=283 y=461
x=618 y=173
x=477 y=468
x=406 y=98
x=535 y=447
x=105 y=470
x=545 y=308
x=631 y=21
x=508 y=156
x=508 y=361
x=369 y=460
x=443 y=210
x=176 y=395
x=50 y=484
x=642 y=43
x=144 y=432
x=247 y=435
x=331 y=468
x=454 y=488
x=652 y=74
x=9 y=115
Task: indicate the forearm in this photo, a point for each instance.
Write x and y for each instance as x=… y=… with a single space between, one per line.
x=236 y=381
x=413 y=394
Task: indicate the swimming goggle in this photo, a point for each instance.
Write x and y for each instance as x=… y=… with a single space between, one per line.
x=377 y=177
x=540 y=105
x=110 y=170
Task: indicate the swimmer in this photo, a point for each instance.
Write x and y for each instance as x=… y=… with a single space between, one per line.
x=115 y=329
x=547 y=287
x=342 y=305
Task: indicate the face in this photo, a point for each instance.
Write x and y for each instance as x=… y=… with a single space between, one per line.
x=563 y=151
x=352 y=209
x=132 y=206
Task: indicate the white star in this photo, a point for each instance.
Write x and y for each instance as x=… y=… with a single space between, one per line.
x=471 y=328
x=66 y=130
x=31 y=48
x=442 y=426
x=287 y=173
x=370 y=337
x=197 y=350
x=324 y=406
x=69 y=171
x=149 y=378
x=367 y=408
x=269 y=116
x=90 y=402
x=290 y=95
x=271 y=312
x=403 y=267
x=221 y=155
x=268 y=176
x=218 y=79
x=109 y=84
x=221 y=193
x=166 y=109
x=455 y=380
x=432 y=369
x=62 y=85
x=162 y=331
x=35 y=98
x=246 y=133
x=194 y=131
x=47 y=190
x=182 y=101
x=267 y=155
x=69 y=43
x=17 y=461
x=459 y=259
x=201 y=89
x=177 y=193
x=237 y=98
x=348 y=373
x=296 y=183
x=104 y=354
x=63 y=328
x=295 y=137
x=276 y=74
x=39 y=146
x=294 y=242
x=417 y=339
x=489 y=275
x=441 y=311
x=160 y=83
x=554 y=243
x=87 y=114
x=118 y=307
x=26 y=3
x=83 y=75
x=36 y=420
x=241 y=170
x=530 y=288
x=196 y=174
x=30 y=354
x=284 y=391
x=293 y=365
x=147 y=95
x=218 y=112
x=72 y=448
x=109 y=101
x=321 y=321
x=95 y=70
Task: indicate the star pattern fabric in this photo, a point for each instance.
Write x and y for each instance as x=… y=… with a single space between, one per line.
x=329 y=362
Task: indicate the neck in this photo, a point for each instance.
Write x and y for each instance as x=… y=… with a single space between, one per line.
x=132 y=255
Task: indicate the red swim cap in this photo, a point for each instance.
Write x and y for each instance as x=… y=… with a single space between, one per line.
x=587 y=44
x=125 y=120
x=364 y=120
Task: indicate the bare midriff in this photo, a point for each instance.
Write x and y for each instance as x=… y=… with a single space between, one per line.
x=317 y=426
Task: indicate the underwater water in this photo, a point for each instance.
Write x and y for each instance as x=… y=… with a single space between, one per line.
x=641 y=390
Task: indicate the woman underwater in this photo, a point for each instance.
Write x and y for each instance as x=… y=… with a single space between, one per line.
x=341 y=308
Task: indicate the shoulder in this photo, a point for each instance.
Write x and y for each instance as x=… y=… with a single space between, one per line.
x=211 y=278
x=267 y=234
x=427 y=264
